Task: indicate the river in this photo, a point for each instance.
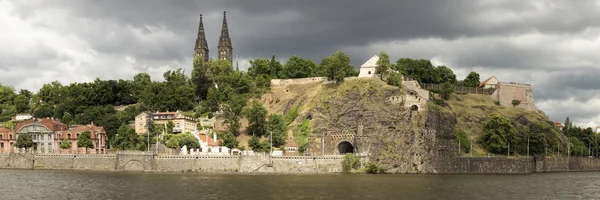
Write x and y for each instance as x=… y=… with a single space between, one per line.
x=91 y=185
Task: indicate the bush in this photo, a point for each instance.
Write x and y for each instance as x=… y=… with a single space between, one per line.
x=394 y=79
x=461 y=137
x=447 y=89
x=350 y=162
x=497 y=103
x=291 y=115
x=515 y=102
x=373 y=168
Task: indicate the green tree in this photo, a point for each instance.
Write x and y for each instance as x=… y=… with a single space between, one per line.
x=276 y=125
x=461 y=136
x=85 y=140
x=498 y=132
x=447 y=90
x=170 y=126
x=515 y=102
x=126 y=138
x=259 y=67
x=24 y=140
x=350 y=162
x=337 y=66
x=65 y=144
x=394 y=79
x=200 y=79
x=257 y=117
x=445 y=74
x=229 y=140
x=421 y=70
x=21 y=103
x=567 y=125
x=276 y=68
x=383 y=65
x=297 y=67
x=472 y=80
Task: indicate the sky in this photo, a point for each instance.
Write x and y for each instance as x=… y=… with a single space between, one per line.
x=552 y=45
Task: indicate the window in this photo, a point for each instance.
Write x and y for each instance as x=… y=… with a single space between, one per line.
x=177 y=125
x=1 y=145
x=69 y=136
x=369 y=72
x=0 y=136
x=10 y=136
x=59 y=136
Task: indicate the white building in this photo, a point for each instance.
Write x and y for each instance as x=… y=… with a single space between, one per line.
x=489 y=83
x=368 y=68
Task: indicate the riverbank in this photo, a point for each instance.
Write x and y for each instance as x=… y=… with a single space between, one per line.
x=189 y=163
x=280 y=165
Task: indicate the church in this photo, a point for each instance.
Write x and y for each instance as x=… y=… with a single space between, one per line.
x=225 y=50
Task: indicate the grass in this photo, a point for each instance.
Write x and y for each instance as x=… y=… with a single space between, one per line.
x=472 y=110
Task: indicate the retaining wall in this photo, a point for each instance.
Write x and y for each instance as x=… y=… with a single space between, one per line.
x=516 y=165
x=148 y=162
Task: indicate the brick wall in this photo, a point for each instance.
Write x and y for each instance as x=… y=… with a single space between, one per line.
x=506 y=92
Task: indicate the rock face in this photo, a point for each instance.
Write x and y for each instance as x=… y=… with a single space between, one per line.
x=360 y=117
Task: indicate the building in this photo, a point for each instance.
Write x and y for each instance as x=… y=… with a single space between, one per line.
x=48 y=134
x=505 y=93
x=225 y=48
x=368 y=68
x=597 y=129
x=181 y=123
x=558 y=125
x=97 y=135
x=491 y=82
x=6 y=139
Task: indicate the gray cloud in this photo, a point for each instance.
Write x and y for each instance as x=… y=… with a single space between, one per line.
x=550 y=44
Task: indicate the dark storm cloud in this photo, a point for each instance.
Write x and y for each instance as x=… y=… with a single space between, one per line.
x=521 y=41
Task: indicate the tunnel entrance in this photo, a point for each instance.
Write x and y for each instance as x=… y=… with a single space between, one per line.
x=345 y=147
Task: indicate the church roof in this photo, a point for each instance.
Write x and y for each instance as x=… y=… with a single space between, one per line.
x=372 y=62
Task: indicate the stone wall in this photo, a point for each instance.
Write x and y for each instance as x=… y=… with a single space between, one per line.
x=145 y=162
x=506 y=92
x=516 y=165
x=196 y=164
x=279 y=82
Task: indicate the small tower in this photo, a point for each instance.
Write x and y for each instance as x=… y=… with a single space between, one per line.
x=201 y=48
x=225 y=48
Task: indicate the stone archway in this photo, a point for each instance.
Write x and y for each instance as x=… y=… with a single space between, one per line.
x=345 y=147
x=134 y=165
x=414 y=108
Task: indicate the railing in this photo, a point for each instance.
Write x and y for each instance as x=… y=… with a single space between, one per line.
x=77 y=155
x=460 y=89
x=134 y=152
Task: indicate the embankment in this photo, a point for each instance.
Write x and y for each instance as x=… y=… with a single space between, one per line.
x=151 y=163
x=505 y=165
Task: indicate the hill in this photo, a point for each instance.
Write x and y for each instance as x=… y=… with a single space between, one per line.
x=369 y=117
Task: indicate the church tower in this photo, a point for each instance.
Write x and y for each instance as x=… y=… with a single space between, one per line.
x=225 y=48
x=201 y=48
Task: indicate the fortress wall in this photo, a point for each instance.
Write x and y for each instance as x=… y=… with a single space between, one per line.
x=280 y=82
x=506 y=92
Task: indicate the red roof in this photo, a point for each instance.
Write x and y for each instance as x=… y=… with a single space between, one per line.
x=558 y=124
x=291 y=143
x=5 y=130
x=52 y=124
x=211 y=142
x=485 y=81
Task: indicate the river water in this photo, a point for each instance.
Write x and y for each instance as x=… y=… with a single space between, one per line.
x=90 y=185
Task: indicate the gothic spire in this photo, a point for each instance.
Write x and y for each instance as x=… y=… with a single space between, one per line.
x=201 y=48
x=225 y=48
x=224 y=29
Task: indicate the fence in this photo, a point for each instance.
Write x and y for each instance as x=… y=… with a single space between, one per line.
x=460 y=89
